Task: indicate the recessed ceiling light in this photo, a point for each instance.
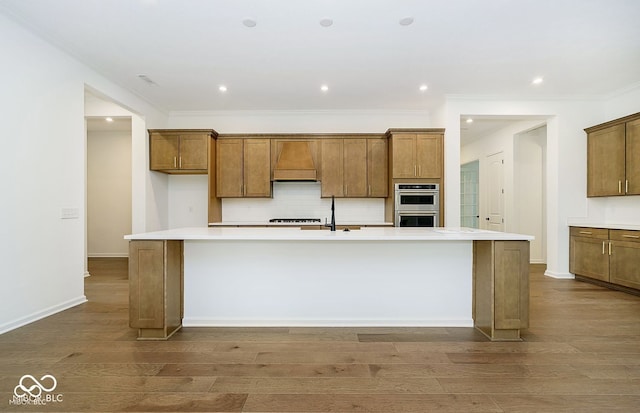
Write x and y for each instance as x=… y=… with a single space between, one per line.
x=109 y=119
x=469 y=120
x=537 y=80
x=249 y=22
x=326 y=22
x=406 y=21
x=222 y=88
x=423 y=88
x=324 y=88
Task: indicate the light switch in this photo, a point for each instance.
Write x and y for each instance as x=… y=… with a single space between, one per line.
x=69 y=213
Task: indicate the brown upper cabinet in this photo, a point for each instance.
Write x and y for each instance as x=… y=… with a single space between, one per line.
x=354 y=167
x=180 y=151
x=417 y=153
x=243 y=168
x=613 y=157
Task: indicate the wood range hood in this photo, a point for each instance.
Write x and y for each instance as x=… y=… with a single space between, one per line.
x=295 y=163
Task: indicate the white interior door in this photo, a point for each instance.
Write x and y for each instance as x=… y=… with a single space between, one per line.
x=495 y=192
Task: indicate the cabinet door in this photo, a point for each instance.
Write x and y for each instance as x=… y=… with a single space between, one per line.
x=404 y=156
x=624 y=263
x=332 y=167
x=632 y=164
x=257 y=168
x=163 y=150
x=589 y=257
x=605 y=161
x=429 y=156
x=193 y=152
x=355 y=168
x=378 y=168
x=229 y=168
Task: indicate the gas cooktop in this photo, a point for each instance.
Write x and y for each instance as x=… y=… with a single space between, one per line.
x=295 y=220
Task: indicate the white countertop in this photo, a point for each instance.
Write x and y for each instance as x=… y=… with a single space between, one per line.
x=630 y=227
x=292 y=224
x=297 y=234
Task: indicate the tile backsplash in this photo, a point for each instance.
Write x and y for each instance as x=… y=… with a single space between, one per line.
x=301 y=200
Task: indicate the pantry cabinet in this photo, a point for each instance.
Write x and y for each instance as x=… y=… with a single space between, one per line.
x=613 y=158
x=354 y=167
x=243 y=168
x=609 y=255
x=177 y=151
x=417 y=154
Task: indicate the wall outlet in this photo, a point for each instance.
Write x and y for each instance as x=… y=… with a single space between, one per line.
x=69 y=213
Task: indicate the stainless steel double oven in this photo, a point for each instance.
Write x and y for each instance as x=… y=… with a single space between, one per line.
x=417 y=205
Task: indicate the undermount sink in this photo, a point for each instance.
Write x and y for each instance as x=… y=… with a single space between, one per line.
x=338 y=227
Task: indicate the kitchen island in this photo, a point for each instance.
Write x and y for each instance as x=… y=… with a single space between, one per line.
x=446 y=277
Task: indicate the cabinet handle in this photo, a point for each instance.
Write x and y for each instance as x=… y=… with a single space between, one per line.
x=619 y=186
x=415 y=170
x=175 y=162
x=603 y=242
x=626 y=186
x=631 y=236
x=609 y=247
x=181 y=162
x=369 y=190
x=586 y=232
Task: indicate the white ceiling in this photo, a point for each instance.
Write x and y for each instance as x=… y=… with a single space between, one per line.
x=368 y=60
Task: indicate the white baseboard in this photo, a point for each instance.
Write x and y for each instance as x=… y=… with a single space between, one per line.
x=200 y=322
x=559 y=275
x=12 y=325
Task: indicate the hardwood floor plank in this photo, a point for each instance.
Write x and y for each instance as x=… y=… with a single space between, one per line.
x=568 y=403
x=351 y=357
x=370 y=403
x=578 y=385
x=341 y=385
x=266 y=370
x=159 y=357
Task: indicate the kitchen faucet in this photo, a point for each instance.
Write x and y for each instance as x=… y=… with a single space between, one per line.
x=333 y=215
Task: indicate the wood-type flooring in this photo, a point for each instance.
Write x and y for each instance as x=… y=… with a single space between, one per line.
x=580 y=354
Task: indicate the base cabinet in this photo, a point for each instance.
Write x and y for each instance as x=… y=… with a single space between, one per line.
x=611 y=256
x=156 y=288
x=624 y=262
x=501 y=288
x=589 y=253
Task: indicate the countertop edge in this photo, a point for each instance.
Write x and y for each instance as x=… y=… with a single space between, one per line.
x=296 y=234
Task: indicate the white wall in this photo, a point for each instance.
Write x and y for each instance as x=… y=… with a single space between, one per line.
x=108 y=193
x=44 y=172
x=529 y=198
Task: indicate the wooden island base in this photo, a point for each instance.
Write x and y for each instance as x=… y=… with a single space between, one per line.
x=490 y=291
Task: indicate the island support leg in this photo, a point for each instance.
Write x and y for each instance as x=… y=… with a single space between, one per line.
x=501 y=288
x=156 y=285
